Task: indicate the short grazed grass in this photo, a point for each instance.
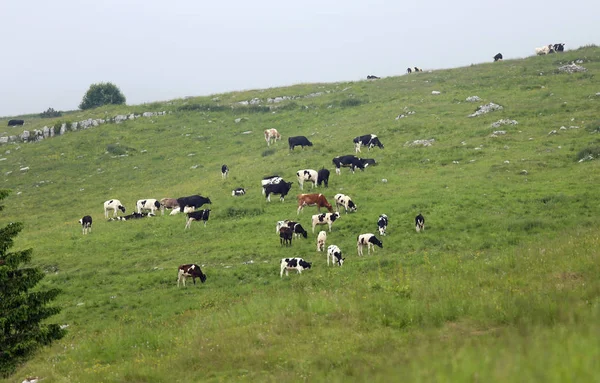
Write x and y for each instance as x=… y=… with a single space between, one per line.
x=503 y=285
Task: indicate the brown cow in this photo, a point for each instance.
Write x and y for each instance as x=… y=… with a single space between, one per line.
x=318 y=200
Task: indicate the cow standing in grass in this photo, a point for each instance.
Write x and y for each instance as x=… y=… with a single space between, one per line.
x=190 y=271
x=86 y=224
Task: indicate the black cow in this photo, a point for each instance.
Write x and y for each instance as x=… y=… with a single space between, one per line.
x=190 y=270
x=299 y=141
x=559 y=47
x=200 y=215
x=281 y=188
x=323 y=177
x=350 y=161
x=86 y=224
x=285 y=236
x=419 y=223
x=194 y=201
x=368 y=140
x=408 y=70
x=498 y=57
x=297 y=229
x=372 y=77
x=15 y=122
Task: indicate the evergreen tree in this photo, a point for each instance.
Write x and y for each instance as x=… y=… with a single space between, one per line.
x=104 y=93
x=21 y=311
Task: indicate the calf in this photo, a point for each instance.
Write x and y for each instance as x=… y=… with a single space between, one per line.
x=368 y=140
x=498 y=57
x=345 y=201
x=298 y=141
x=238 y=192
x=194 y=200
x=285 y=236
x=324 y=219
x=200 y=215
x=131 y=216
x=270 y=180
x=321 y=239
x=15 y=122
x=169 y=203
x=272 y=135
x=190 y=271
x=317 y=200
x=298 y=264
x=368 y=240
x=86 y=224
x=419 y=223
x=148 y=204
x=336 y=255
x=352 y=162
x=114 y=205
x=281 y=188
x=307 y=175
x=224 y=171
x=382 y=223
x=323 y=177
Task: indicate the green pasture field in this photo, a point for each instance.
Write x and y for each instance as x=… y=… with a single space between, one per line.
x=502 y=286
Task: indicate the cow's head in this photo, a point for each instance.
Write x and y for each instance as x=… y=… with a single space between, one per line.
x=122 y=208
x=352 y=206
x=304 y=264
x=334 y=216
x=289 y=186
x=202 y=277
x=375 y=241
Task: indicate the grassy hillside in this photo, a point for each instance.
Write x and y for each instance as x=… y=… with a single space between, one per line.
x=503 y=285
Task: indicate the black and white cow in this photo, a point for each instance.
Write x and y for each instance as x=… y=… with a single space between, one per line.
x=285 y=236
x=418 y=69
x=298 y=141
x=224 y=171
x=238 y=192
x=420 y=223
x=323 y=177
x=369 y=240
x=335 y=254
x=345 y=201
x=114 y=205
x=15 y=122
x=190 y=271
x=86 y=224
x=297 y=229
x=297 y=264
x=200 y=215
x=324 y=219
x=560 y=47
x=498 y=57
x=194 y=200
x=147 y=204
x=131 y=216
x=382 y=223
x=372 y=77
x=270 y=180
x=349 y=161
x=368 y=140
x=281 y=188
x=309 y=175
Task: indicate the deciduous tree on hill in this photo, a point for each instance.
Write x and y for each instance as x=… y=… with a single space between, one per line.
x=103 y=93
x=22 y=311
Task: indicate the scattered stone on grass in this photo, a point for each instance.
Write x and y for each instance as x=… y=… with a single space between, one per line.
x=483 y=109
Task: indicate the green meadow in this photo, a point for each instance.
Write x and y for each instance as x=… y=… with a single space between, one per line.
x=502 y=286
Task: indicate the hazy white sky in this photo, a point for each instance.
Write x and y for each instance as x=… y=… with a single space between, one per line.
x=52 y=51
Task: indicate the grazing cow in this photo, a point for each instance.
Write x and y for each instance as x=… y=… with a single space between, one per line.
x=169 y=203
x=270 y=180
x=238 y=192
x=86 y=224
x=352 y=162
x=368 y=140
x=317 y=200
x=281 y=188
x=324 y=219
x=372 y=77
x=15 y=122
x=382 y=223
x=498 y=57
x=194 y=200
x=298 y=141
x=307 y=175
x=272 y=135
x=560 y=47
x=336 y=255
x=323 y=177
x=190 y=271
x=321 y=239
x=114 y=205
x=200 y=215
x=345 y=201
x=369 y=240
x=224 y=171
x=298 y=264
x=419 y=223
x=133 y=215
x=147 y=204
x=546 y=49
x=285 y=236
x=297 y=229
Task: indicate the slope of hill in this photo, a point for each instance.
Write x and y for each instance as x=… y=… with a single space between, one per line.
x=502 y=285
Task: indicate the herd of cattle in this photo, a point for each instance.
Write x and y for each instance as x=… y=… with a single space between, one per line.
x=286 y=229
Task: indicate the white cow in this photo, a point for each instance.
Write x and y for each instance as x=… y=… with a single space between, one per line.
x=307 y=175
x=114 y=205
x=147 y=204
x=321 y=239
x=272 y=135
x=544 y=50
